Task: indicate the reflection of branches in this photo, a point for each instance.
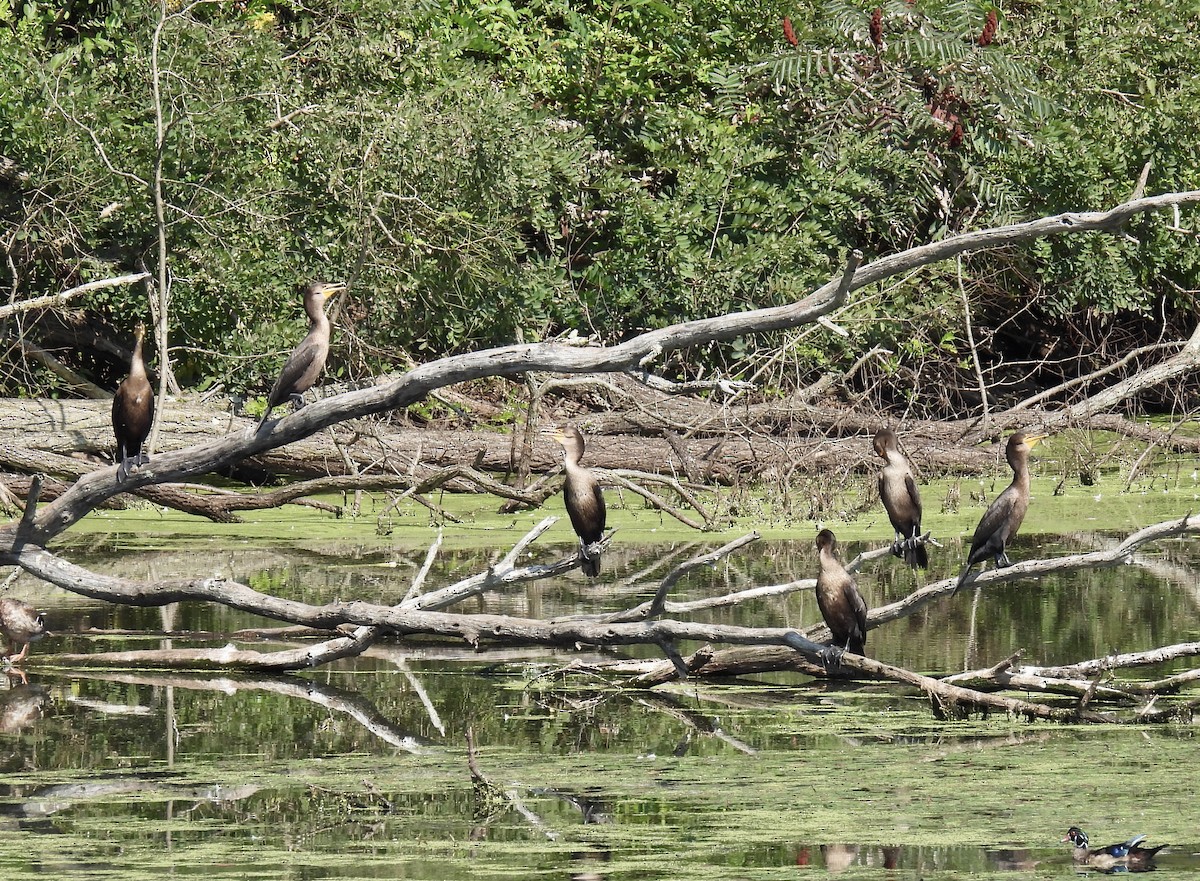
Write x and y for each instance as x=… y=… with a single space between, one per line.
x=47 y=800
x=695 y=721
x=324 y=695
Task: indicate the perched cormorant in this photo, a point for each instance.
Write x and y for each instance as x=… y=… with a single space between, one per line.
x=841 y=604
x=1127 y=854
x=582 y=497
x=1002 y=519
x=133 y=411
x=307 y=360
x=20 y=624
x=901 y=500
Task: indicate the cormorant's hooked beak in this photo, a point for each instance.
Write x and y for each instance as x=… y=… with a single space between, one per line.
x=1031 y=441
x=333 y=287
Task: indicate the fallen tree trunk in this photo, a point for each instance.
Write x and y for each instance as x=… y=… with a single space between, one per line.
x=23 y=543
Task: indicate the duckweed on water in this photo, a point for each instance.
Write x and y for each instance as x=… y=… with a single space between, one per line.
x=764 y=778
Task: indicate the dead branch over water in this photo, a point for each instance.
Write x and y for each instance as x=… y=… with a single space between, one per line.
x=761 y=649
x=23 y=542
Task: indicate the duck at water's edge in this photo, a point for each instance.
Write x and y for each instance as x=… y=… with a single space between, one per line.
x=20 y=624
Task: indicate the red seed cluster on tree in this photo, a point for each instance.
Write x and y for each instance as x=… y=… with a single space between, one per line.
x=989 y=29
x=877 y=29
x=788 y=33
x=949 y=110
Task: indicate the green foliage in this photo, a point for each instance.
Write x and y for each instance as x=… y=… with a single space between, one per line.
x=484 y=173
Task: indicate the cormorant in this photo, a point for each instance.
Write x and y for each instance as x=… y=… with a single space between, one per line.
x=133 y=411
x=842 y=606
x=20 y=624
x=1000 y=522
x=901 y=500
x=307 y=360
x=582 y=497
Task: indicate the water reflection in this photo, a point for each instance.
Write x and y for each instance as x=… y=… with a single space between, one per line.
x=1051 y=618
x=140 y=760
x=21 y=705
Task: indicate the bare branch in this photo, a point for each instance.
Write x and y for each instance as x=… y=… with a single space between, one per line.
x=60 y=299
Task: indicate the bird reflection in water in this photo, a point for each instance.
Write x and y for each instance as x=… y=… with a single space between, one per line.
x=21 y=706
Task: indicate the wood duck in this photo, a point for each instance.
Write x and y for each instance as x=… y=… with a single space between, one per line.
x=842 y=606
x=133 y=411
x=1127 y=854
x=582 y=497
x=20 y=624
x=1000 y=522
x=901 y=500
x=304 y=365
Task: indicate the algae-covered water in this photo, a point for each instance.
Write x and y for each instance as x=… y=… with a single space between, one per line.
x=359 y=770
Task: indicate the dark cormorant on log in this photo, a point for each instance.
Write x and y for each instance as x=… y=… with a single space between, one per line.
x=901 y=500
x=842 y=606
x=133 y=411
x=1002 y=519
x=307 y=360
x=20 y=624
x=582 y=497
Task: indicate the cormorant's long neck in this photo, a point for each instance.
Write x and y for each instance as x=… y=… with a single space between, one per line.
x=137 y=366
x=571 y=456
x=318 y=321
x=1020 y=467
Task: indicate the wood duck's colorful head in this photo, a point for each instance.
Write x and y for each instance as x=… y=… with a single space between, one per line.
x=1076 y=836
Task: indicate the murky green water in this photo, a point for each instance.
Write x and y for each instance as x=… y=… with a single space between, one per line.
x=360 y=770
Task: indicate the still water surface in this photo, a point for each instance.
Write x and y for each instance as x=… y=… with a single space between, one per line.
x=360 y=770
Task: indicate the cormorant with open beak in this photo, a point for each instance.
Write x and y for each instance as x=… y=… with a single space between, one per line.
x=901 y=500
x=133 y=411
x=582 y=497
x=1003 y=517
x=307 y=360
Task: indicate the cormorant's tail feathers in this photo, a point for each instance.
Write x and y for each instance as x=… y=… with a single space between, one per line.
x=917 y=556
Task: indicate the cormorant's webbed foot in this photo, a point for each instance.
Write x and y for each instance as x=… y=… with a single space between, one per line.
x=898 y=547
x=297 y=400
x=1002 y=560
x=831 y=657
